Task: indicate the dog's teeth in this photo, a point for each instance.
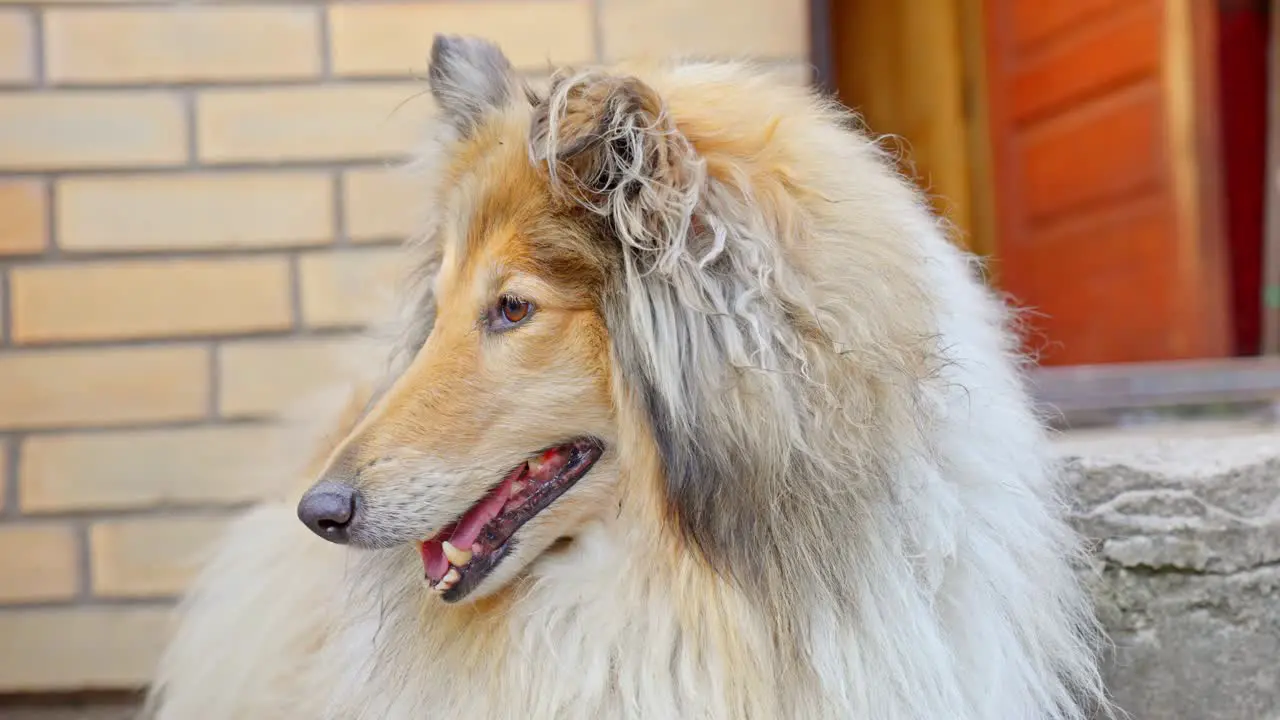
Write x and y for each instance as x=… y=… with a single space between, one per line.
x=516 y=487
x=458 y=558
x=534 y=466
x=448 y=580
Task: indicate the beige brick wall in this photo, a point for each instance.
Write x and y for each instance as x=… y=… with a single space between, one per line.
x=196 y=216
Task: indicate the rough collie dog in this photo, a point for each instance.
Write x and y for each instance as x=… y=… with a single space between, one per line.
x=700 y=415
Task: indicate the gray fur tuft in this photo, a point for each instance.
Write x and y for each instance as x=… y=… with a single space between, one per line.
x=712 y=329
x=469 y=78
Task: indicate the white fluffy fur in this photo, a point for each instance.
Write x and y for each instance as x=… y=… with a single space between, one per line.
x=963 y=604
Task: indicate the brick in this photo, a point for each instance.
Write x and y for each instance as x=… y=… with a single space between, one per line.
x=194 y=211
x=182 y=44
x=657 y=28
x=80 y=648
x=146 y=469
x=269 y=377
x=349 y=288
x=23 y=227
x=383 y=204
x=91 y=129
x=149 y=557
x=334 y=122
x=38 y=562
x=103 y=386
x=394 y=38
x=17 y=48
x=146 y=299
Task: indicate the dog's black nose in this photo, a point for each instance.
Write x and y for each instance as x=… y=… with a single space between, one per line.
x=328 y=509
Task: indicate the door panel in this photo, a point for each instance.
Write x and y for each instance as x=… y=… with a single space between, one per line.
x=901 y=65
x=1122 y=133
x=1034 y=21
x=1107 y=217
x=1120 y=49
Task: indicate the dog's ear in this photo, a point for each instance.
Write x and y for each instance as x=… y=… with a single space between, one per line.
x=469 y=79
x=608 y=142
x=700 y=333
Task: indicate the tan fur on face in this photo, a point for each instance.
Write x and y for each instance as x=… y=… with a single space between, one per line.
x=472 y=404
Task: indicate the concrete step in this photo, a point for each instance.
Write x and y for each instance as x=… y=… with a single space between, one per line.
x=1185 y=519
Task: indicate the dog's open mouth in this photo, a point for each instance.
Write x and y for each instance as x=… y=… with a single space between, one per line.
x=461 y=555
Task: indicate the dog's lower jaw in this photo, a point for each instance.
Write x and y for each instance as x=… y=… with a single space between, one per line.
x=461 y=557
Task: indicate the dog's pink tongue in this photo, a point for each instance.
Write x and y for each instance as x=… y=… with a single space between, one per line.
x=433 y=560
x=469 y=526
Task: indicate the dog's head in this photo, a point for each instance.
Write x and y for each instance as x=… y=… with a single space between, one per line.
x=496 y=440
x=599 y=278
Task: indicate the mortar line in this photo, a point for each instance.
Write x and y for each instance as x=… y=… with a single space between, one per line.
x=411 y=79
x=342 y=234
x=84 y=561
x=326 y=36
x=6 y=308
x=293 y=82
x=192 y=341
x=38 y=46
x=51 y=246
x=293 y=165
x=123 y=699
x=295 y=293
x=159 y=602
x=212 y=254
x=597 y=29
x=152 y=4
x=190 y=118
x=150 y=426
x=10 y=490
x=195 y=510
x=215 y=380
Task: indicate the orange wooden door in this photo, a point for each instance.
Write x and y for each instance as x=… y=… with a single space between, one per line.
x=1105 y=170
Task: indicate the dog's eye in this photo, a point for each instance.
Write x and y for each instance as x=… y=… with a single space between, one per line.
x=509 y=312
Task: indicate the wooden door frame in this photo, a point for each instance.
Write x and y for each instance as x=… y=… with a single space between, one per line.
x=1128 y=386
x=1191 y=97
x=927 y=91
x=1271 y=201
x=821 y=51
